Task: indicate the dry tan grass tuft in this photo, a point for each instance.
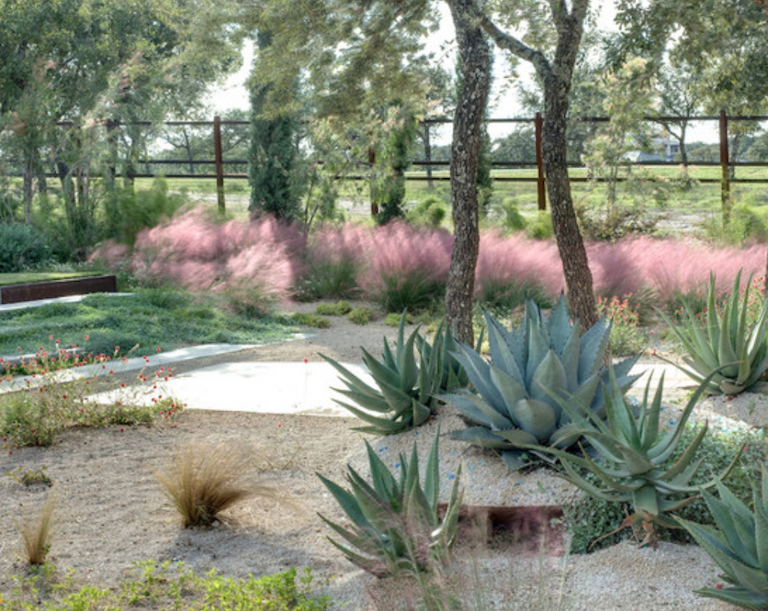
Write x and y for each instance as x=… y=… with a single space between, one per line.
x=204 y=480
x=36 y=533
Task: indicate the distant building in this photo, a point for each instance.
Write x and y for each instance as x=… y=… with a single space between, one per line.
x=665 y=149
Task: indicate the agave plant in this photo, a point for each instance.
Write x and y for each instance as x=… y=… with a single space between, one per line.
x=637 y=465
x=407 y=392
x=517 y=395
x=724 y=339
x=738 y=547
x=394 y=521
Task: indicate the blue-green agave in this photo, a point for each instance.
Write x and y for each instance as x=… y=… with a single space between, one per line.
x=739 y=545
x=637 y=465
x=724 y=339
x=395 y=523
x=409 y=381
x=516 y=397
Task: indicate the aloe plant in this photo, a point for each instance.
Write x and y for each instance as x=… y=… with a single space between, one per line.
x=637 y=466
x=724 y=339
x=407 y=387
x=516 y=398
x=394 y=521
x=739 y=546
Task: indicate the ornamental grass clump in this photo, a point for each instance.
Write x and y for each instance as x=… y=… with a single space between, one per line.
x=36 y=533
x=407 y=386
x=205 y=480
x=725 y=344
x=394 y=521
x=515 y=399
x=739 y=545
x=636 y=463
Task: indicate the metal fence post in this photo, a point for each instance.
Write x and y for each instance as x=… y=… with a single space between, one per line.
x=725 y=181
x=539 y=123
x=219 y=157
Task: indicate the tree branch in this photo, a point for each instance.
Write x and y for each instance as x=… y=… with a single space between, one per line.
x=513 y=45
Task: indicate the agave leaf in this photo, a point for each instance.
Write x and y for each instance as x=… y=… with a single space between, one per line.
x=686 y=459
x=550 y=374
x=613 y=496
x=559 y=326
x=713 y=543
x=721 y=512
x=447 y=529
x=564 y=437
x=635 y=462
x=475 y=409
x=740 y=597
x=409 y=372
x=510 y=390
x=421 y=412
x=751 y=578
x=481 y=436
x=537 y=418
x=374 y=404
x=384 y=426
x=515 y=459
x=346 y=501
x=592 y=348
x=360 y=538
x=352 y=381
x=478 y=372
x=380 y=372
x=646 y=500
x=583 y=398
x=569 y=356
x=761 y=534
x=517 y=437
x=383 y=481
x=502 y=348
x=650 y=428
x=432 y=473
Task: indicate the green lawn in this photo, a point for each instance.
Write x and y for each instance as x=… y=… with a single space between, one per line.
x=25 y=277
x=152 y=318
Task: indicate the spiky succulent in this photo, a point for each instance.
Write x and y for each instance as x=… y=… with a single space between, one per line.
x=516 y=396
x=636 y=464
x=723 y=338
x=407 y=391
x=394 y=521
x=739 y=547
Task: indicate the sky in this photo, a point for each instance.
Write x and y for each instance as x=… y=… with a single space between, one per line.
x=504 y=104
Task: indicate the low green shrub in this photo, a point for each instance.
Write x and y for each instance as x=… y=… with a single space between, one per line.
x=393 y=319
x=310 y=320
x=360 y=316
x=144 y=209
x=500 y=297
x=541 y=227
x=21 y=247
x=340 y=308
x=626 y=336
x=412 y=291
x=328 y=279
x=511 y=219
x=589 y=519
x=429 y=212
x=170 y=586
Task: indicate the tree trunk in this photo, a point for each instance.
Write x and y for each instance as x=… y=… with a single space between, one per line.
x=428 y=155
x=475 y=55
x=28 y=175
x=573 y=254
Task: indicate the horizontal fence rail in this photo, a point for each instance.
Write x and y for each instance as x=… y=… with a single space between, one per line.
x=218 y=162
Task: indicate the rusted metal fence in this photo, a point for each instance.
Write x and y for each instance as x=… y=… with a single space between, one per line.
x=725 y=163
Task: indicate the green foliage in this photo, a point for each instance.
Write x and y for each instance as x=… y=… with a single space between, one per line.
x=395 y=523
x=148 y=317
x=746 y=223
x=406 y=393
x=541 y=227
x=532 y=370
x=393 y=319
x=392 y=160
x=21 y=247
x=145 y=208
x=411 y=291
x=626 y=336
x=328 y=279
x=340 y=308
x=592 y=521
x=429 y=212
x=172 y=586
x=31 y=477
x=725 y=344
x=310 y=320
x=505 y=297
x=511 y=219
x=737 y=545
x=360 y=316
x=637 y=465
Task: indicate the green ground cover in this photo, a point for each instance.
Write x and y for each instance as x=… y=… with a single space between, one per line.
x=26 y=277
x=151 y=317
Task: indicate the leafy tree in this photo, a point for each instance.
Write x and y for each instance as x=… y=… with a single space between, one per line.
x=519 y=145
x=679 y=92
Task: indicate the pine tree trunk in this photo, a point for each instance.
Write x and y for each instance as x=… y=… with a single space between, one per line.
x=475 y=57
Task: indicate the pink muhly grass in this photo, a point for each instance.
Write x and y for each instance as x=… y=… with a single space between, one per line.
x=517 y=261
x=331 y=245
x=197 y=253
x=400 y=254
x=668 y=267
